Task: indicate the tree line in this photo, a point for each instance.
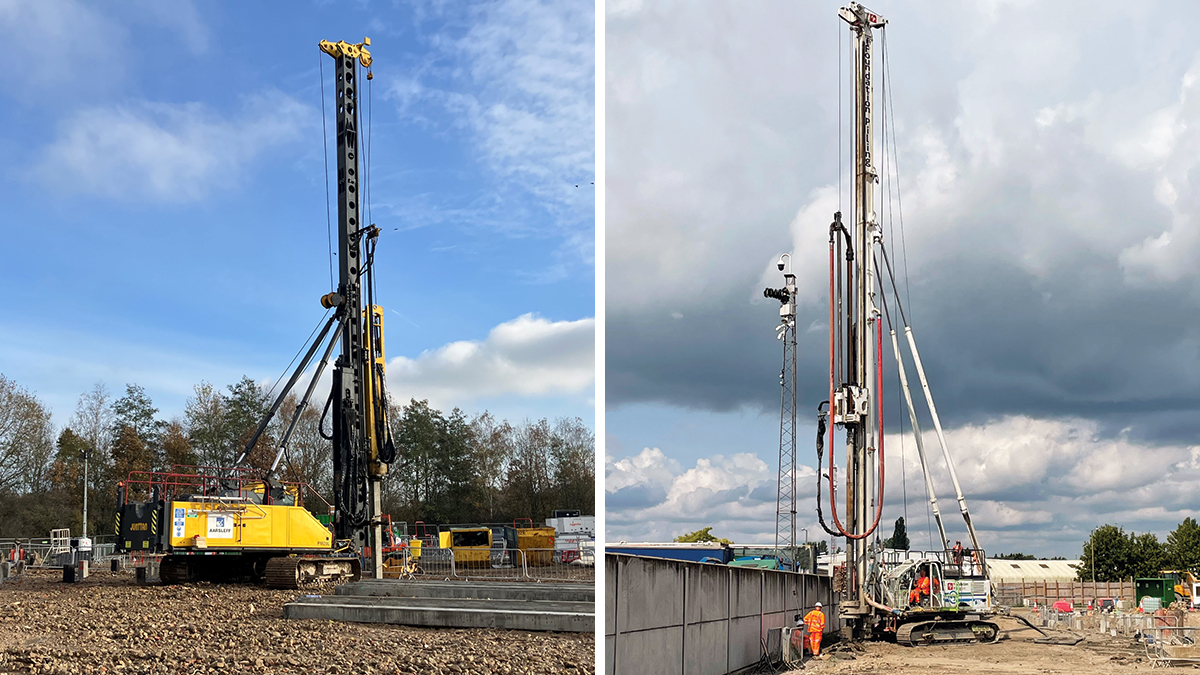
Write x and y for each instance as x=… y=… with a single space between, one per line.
x=450 y=467
x=1111 y=554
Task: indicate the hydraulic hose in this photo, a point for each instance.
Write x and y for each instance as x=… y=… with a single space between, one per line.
x=841 y=530
x=821 y=423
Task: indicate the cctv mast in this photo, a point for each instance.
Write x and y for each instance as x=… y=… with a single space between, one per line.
x=785 y=500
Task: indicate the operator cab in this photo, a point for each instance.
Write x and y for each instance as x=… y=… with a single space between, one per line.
x=955 y=580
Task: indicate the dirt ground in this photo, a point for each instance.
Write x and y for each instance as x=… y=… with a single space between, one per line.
x=107 y=624
x=1015 y=653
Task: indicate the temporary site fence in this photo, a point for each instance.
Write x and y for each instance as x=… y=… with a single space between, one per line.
x=1030 y=593
x=495 y=564
x=1172 y=646
x=1113 y=624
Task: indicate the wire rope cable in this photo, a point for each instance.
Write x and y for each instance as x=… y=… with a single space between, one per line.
x=891 y=104
x=325 y=153
x=298 y=351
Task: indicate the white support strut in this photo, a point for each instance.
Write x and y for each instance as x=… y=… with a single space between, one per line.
x=916 y=427
x=937 y=426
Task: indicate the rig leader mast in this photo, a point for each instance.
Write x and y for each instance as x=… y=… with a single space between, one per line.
x=855 y=350
x=362 y=446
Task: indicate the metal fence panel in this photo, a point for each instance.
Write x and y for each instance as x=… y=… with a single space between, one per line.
x=547 y=564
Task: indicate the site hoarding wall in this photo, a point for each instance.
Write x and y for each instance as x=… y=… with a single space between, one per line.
x=673 y=617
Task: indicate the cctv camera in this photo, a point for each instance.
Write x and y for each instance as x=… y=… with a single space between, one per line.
x=780 y=265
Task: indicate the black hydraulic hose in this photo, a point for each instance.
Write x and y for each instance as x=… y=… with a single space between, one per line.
x=354 y=479
x=321 y=424
x=821 y=426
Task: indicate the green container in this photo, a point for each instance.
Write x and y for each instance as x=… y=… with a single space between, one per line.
x=1163 y=589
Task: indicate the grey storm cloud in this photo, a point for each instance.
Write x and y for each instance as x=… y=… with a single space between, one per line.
x=1046 y=158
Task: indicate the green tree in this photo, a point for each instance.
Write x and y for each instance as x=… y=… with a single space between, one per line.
x=1183 y=546
x=702 y=535
x=176 y=448
x=416 y=442
x=136 y=411
x=205 y=420
x=1106 y=555
x=529 y=482
x=308 y=458
x=1147 y=555
x=26 y=440
x=452 y=502
x=490 y=454
x=130 y=454
x=899 y=538
x=573 y=453
x=245 y=406
x=66 y=477
x=93 y=421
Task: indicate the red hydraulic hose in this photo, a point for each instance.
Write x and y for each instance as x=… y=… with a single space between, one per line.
x=832 y=343
x=832 y=501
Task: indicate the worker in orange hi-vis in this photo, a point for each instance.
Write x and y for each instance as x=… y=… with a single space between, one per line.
x=814 y=624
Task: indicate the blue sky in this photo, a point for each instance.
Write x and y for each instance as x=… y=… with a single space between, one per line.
x=165 y=205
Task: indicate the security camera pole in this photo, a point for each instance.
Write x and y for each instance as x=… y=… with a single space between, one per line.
x=86 y=455
x=785 y=500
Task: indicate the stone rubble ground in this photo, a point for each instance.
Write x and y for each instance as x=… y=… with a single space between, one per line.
x=108 y=624
x=1016 y=654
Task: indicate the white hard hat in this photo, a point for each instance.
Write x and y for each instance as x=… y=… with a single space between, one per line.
x=817 y=605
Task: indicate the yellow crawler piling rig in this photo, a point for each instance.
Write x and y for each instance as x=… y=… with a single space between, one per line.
x=223 y=523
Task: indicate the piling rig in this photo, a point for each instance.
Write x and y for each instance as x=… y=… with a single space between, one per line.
x=877 y=586
x=218 y=523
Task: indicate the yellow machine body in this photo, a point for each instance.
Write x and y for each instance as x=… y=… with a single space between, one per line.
x=218 y=525
x=537 y=543
x=471 y=546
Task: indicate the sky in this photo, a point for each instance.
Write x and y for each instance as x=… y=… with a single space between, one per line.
x=1045 y=155
x=165 y=212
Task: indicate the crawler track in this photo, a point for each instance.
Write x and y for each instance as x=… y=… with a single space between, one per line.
x=946 y=631
x=296 y=572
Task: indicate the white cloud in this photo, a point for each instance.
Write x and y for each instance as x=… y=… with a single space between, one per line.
x=178 y=15
x=649 y=467
x=83 y=46
x=59 y=42
x=521 y=80
x=167 y=152
x=650 y=497
x=1055 y=457
x=529 y=356
x=1032 y=485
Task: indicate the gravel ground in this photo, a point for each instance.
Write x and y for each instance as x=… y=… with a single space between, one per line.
x=1015 y=654
x=107 y=624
